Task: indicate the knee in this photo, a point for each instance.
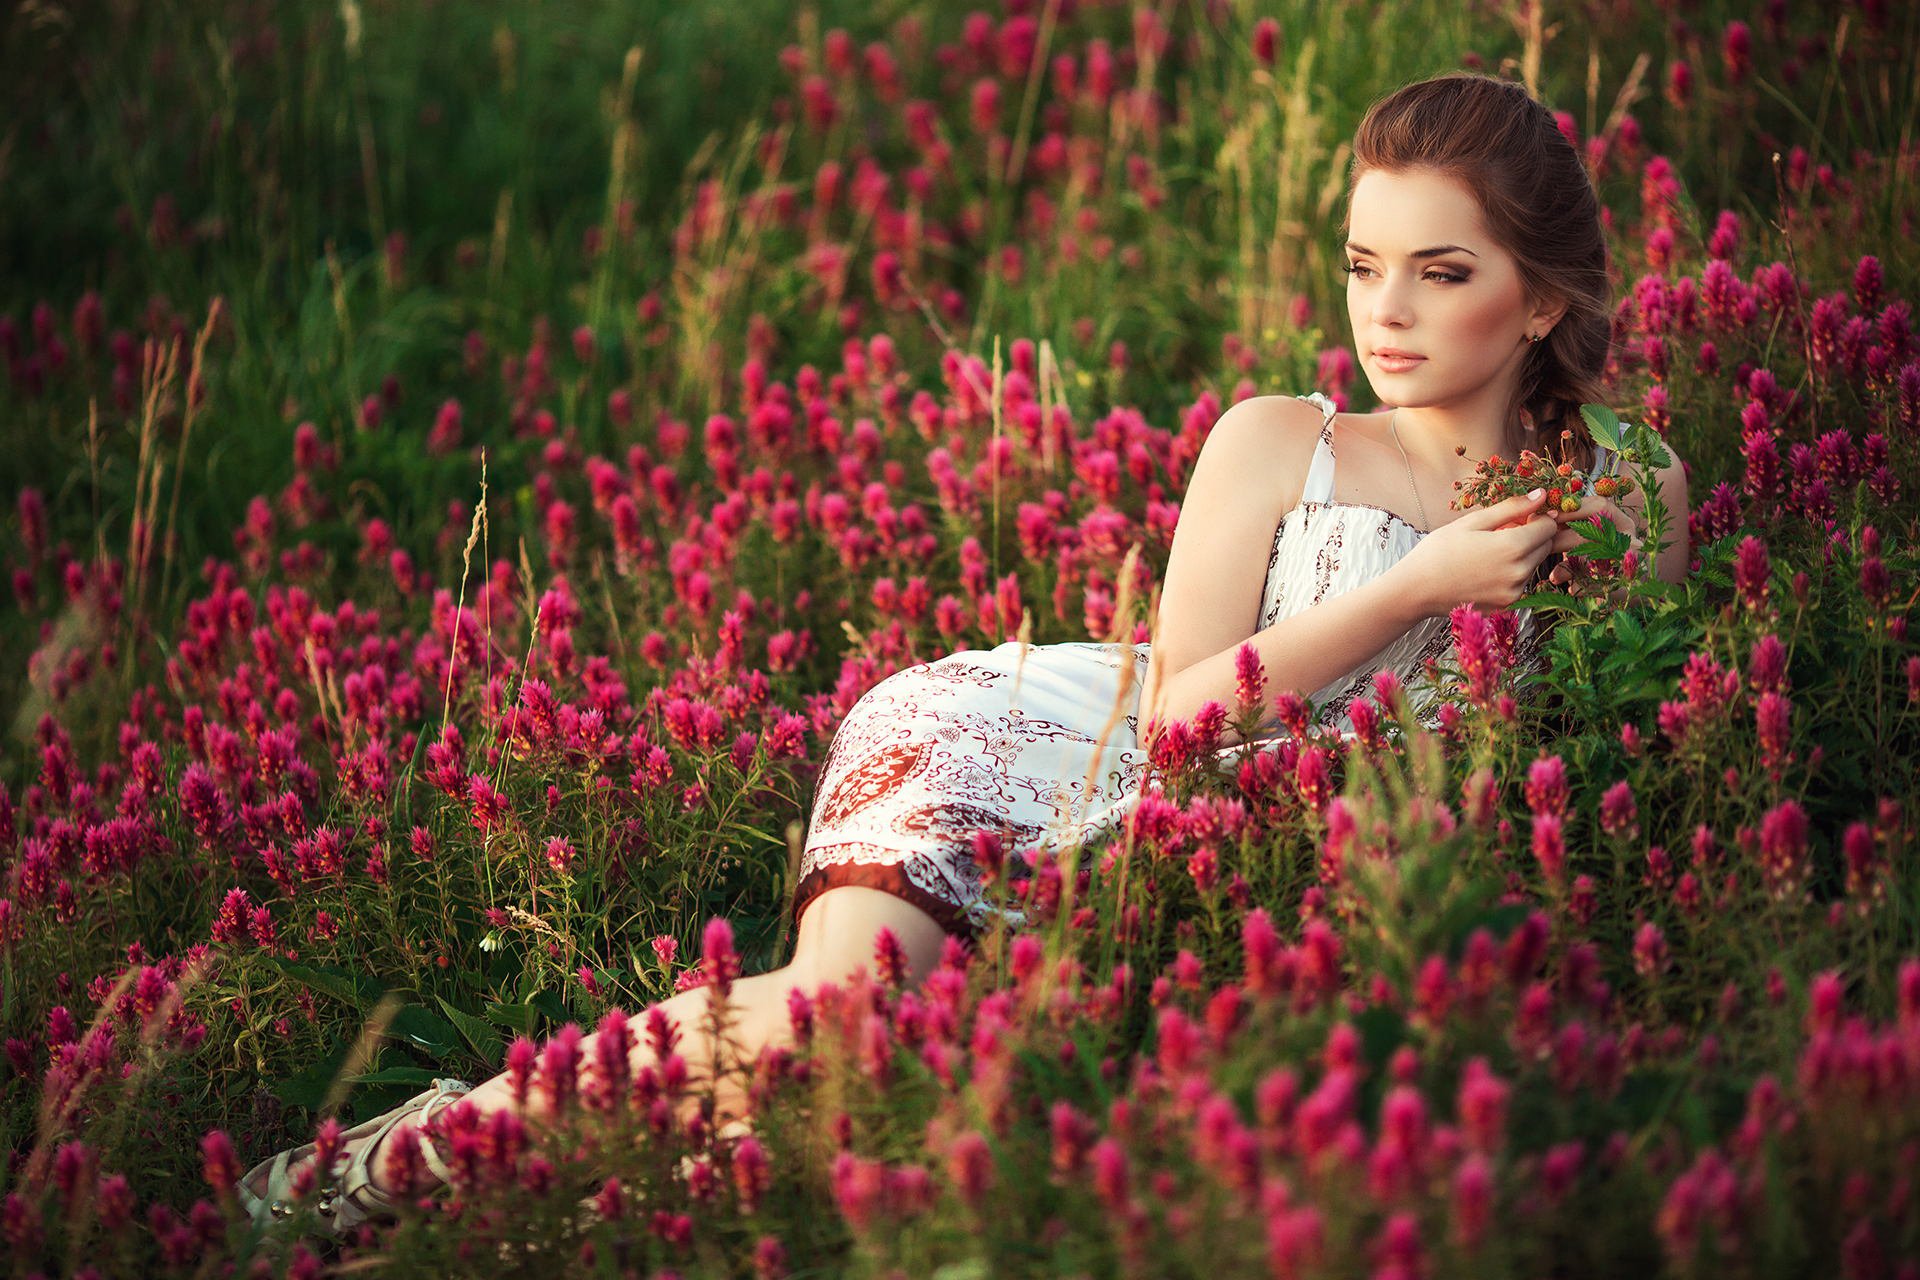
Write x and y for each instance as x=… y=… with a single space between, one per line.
x=838 y=930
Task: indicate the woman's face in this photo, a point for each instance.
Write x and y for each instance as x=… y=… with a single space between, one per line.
x=1461 y=314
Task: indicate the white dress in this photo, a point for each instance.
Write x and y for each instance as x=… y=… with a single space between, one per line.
x=1032 y=745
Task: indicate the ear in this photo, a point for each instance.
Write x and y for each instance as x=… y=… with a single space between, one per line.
x=1546 y=314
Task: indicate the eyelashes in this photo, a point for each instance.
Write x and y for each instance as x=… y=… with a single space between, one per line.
x=1444 y=277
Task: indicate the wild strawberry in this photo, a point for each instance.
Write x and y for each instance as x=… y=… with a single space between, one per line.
x=1565 y=468
x=1605 y=486
x=1554 y=495
x=1569 y=503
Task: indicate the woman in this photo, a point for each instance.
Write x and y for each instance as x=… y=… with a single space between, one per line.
x=1478 y=294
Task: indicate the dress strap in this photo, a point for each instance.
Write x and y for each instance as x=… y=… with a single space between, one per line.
x=1319 y=486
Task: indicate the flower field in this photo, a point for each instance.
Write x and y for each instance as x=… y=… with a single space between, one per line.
x=461 y=463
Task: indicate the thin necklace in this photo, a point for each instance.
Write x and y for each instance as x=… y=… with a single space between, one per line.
x=1393 y=425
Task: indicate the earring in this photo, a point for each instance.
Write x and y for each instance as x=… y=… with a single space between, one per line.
x=1535 y=337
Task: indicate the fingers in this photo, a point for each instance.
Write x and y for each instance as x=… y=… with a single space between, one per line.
x=1535 y=536
x=1605 y=508
x=1508 y=511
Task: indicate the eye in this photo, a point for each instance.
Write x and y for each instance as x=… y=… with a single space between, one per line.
x=1351 y=267
x=1446 y=277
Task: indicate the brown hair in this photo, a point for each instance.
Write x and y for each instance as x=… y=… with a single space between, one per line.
x=1538 y=203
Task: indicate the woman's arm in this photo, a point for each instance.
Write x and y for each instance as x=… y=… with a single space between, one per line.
x=1210 y=600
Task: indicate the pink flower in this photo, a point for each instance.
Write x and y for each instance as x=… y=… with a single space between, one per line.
x=1618 y=811
x=1312 y=778
x=1296 y=1242
x=859 y=1188
x=1767 y=665
x=1676 y=722
x=1478 y=652
x=612 y=1044
x=1707 y=687
x=219 y=1165
x=1250 y=680
x=559 y=853
x=970 y=1167
x=402 y=1165
x=1294 y=713
x=1736 y=51
x=984 y=105
x=1876 y=584
x=719 y=964
x=1825 y=1000
x=1262 y=946
x=1482 y=1107
x=1547 y=790
x=890 y=957
x=1072 y=1135
x=1867 y=283
x=1909 y=995
x=1323 y=1113
x=1550 y=848
x=1649 y=951
x=1178 y=1042
x=1266 y=41
x=559 y=1067
x=1773 y=721
x=489 y=806
x=1783 y=848
x=750 y=1172
x=1433 y=991
x=1472 y=1202
x=1864 y=865
x=522 y=1056
x=1752 y=573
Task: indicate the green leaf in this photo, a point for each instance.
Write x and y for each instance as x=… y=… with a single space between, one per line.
x=1604 y=423
x=1601 y=542
x=1544 y=599
x=1629 y=630
x=522 y=1018
x=1647 y=442
x=359 y=989
x=478 y=1031
x=425 y=1029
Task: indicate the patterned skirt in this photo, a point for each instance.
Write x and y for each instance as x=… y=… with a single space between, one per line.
x=1040 y=747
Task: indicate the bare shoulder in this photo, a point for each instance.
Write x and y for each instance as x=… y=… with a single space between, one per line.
x=1266 y=436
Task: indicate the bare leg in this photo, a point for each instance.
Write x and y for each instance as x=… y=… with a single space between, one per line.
x=836 y=937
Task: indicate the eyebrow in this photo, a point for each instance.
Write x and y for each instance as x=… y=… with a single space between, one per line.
x=1434 y=252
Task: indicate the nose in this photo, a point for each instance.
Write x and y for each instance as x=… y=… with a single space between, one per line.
x=1390 y=309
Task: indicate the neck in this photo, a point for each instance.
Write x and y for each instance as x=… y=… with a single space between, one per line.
x=1431 y=434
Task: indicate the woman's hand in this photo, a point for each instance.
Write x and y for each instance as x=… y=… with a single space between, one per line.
x=1484 y=557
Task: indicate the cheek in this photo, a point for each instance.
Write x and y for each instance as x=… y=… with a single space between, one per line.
x=1485 y=314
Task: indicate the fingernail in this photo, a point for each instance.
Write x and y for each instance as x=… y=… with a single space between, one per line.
x=1535 y=494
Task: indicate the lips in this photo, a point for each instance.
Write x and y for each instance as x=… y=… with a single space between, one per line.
x=1393 y=353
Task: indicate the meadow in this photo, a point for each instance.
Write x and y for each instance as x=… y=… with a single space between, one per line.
x=460 y=464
